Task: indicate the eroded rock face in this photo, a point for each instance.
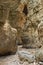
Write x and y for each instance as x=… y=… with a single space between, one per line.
x=17 y=19
x=30 y=41
x=7 y=39
x=4 y=9
x=7 y=5
x=33 y=18
x=8 y=32
x=40 y=32
x=25 y=17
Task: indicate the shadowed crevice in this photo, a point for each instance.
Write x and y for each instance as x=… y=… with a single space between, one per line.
x=25 y=10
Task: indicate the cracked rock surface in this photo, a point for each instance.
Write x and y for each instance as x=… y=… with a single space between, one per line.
x=21 y=32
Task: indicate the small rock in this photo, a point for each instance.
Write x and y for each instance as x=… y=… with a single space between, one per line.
x=39 y=55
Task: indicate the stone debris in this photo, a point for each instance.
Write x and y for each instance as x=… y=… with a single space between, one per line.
x=26 y=56
x=13 y=60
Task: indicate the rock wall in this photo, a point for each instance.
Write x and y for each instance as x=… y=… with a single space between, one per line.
x=25 y=16
x=33 y=12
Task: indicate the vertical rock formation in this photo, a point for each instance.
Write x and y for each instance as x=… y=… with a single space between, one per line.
x=33 y=13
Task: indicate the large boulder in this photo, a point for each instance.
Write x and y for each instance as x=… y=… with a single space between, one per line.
x=6 y=6
x=7 y=39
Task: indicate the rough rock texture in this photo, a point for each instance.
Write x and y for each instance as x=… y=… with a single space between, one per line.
x=39 y=55
x=6 y=6
x=33 y=12
x=25 y=17
x=8 y=34
x=30 y=41
x=7 y=39
x=40 y=32
x=21 y=22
